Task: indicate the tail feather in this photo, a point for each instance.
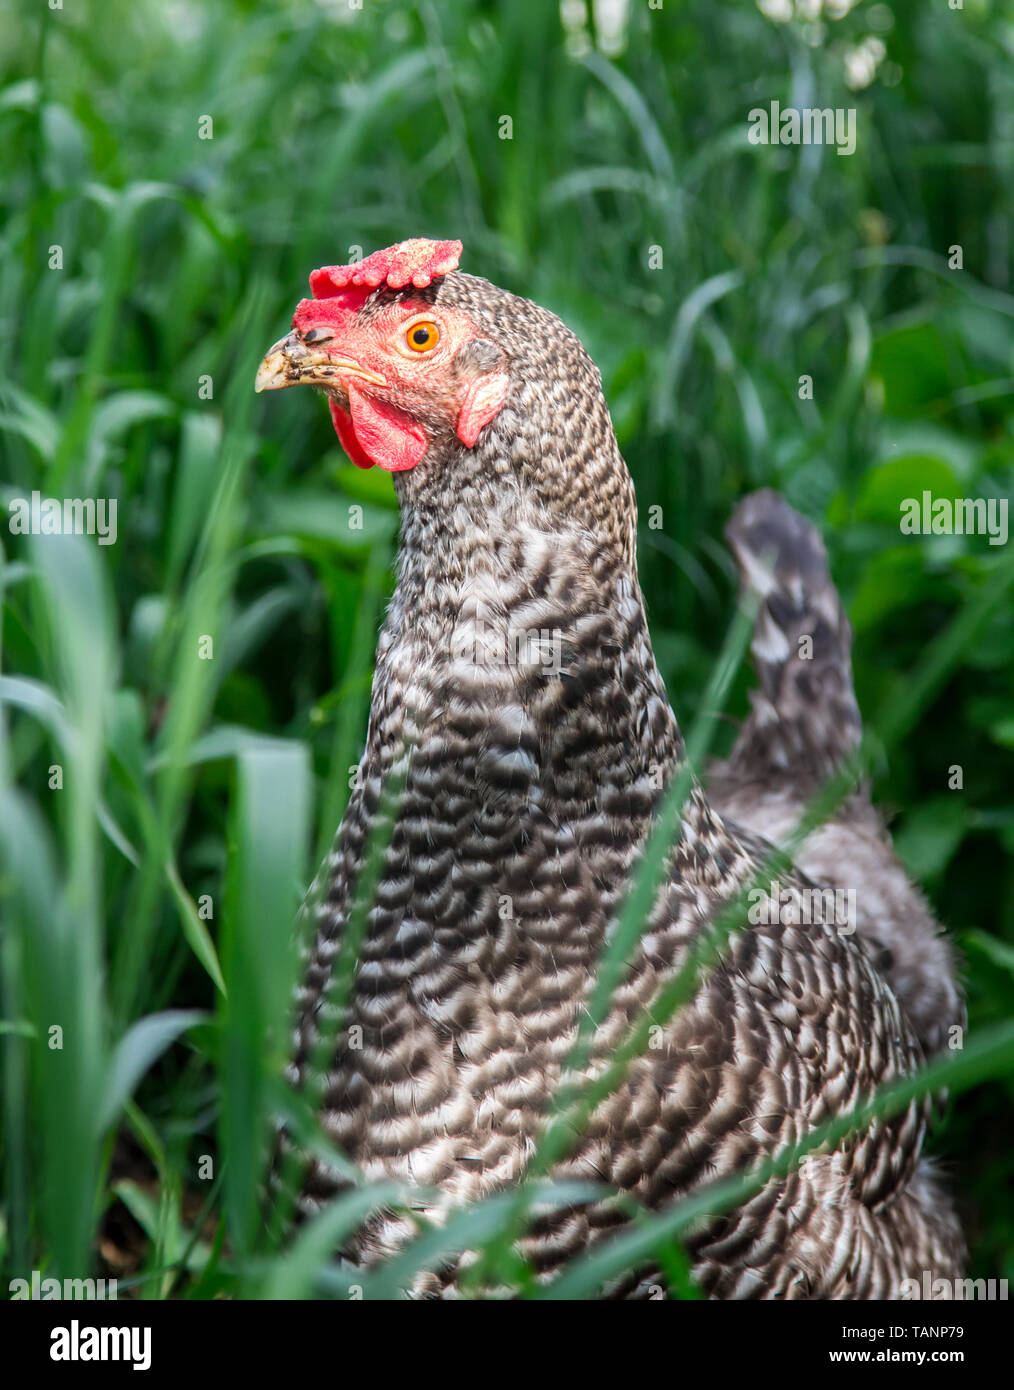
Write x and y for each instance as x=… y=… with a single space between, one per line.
x=805 y=719
x=804 y=723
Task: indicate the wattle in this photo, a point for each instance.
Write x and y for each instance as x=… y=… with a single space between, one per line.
x=373 y=432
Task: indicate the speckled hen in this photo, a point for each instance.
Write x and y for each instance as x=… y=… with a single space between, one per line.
x=516 y=695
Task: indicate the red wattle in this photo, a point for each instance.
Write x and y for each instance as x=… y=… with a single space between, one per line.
x=377 y=433
x=385 y=434
x=343 y=424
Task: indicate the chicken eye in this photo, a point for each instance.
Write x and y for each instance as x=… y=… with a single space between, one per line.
x=422 y=337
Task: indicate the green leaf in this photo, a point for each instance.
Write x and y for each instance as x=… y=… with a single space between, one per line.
x=265 y=883
x=327 y=516
x=929 y=835
x=137 y=1050
x=200 y=442
x=293 y=1274
x=29 y=418
x=1001 y=953
x=888 y=485
x=115 y=415
x=194 y=930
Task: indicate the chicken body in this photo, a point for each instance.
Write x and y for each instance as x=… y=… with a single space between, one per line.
x=517 y=695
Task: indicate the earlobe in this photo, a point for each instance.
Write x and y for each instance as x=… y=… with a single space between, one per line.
x=482 y=403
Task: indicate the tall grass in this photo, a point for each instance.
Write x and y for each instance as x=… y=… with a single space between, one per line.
x=179 y=711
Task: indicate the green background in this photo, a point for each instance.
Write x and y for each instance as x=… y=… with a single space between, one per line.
x=198 y=794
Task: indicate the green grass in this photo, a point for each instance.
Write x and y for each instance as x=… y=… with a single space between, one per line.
x=146 y=906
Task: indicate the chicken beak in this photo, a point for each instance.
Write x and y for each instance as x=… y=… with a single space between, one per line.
x=278 y=369
x=292 y=360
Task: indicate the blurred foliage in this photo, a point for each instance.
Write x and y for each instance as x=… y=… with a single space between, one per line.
x=144 y=270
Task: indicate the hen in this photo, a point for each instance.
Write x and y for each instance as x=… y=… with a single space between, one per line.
x=517 y=704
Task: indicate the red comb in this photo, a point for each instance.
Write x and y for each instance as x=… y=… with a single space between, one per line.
x=415 y=262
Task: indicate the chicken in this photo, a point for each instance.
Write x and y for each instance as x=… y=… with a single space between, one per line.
x=517 y=704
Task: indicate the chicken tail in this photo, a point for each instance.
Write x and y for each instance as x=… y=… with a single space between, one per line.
x=804 y=724
x=805 y=720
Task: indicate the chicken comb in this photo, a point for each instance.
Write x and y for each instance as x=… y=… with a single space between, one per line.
x=417 y=262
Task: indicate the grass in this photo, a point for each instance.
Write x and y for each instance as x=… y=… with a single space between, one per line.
x=148 y=888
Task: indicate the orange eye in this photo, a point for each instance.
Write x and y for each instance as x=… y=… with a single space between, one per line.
x=422 y=337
